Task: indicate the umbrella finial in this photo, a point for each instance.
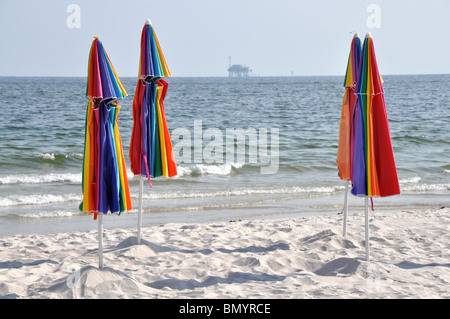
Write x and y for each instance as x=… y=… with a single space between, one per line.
x=368 y=35
x=356 y=35
x=148 y=21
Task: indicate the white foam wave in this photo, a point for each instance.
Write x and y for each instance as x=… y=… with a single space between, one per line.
x=208 y=169
x=48 y=214
x=41 y=179
x=49 y=156
x=195 y=170
x=245 y=192
x=411 y=180
x=413 y=184
x=37 y=199
x=425 y=187
x=52 y=156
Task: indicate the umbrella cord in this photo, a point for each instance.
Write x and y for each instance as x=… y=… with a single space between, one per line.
x=146 y=169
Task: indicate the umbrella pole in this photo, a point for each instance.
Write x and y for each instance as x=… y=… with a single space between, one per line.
x=139 y=230
x=366 y=208
x=346 y=207
x=100 y=240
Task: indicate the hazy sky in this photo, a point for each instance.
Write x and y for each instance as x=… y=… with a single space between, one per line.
x=273 y=38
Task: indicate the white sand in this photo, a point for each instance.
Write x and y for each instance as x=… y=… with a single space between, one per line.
x=284 y=258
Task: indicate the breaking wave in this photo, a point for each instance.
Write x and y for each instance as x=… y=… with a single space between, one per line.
x=413 y=184
x=319 y=190
x=37 y=199
x=41 y=179
x=208 y=169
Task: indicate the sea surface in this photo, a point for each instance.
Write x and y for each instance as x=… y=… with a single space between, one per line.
x=281 y=164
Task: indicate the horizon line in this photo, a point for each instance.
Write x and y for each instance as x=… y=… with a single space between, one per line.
x=220 y=76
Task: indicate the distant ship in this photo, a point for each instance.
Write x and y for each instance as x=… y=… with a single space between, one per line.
x=237 y=70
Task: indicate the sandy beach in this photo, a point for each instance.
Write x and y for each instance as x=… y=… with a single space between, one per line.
x=305 y=257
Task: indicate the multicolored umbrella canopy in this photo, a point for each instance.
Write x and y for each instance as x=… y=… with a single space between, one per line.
x=151 y=152
x=152 y=62
x=374 y=170
x=105 y=182
x=346 y=128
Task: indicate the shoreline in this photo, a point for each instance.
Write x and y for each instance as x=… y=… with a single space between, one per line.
x=283 y=258
x=291 y=208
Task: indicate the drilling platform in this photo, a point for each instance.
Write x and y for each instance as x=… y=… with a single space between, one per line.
x=237 y=70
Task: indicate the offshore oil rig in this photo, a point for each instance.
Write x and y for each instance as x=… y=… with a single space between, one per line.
x=237 y=70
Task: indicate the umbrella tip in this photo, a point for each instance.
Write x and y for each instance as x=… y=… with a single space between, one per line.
x=356 y=35
x=368 y=35
x=148 y=21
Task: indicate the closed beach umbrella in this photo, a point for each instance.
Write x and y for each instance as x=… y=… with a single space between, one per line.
x=151 y=152
x=104 y=176
x=374 y=172
x=346 y=128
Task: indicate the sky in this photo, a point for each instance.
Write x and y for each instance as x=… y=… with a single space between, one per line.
x=273 y=38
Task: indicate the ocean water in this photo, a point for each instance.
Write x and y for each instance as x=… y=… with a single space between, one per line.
x=284 y=166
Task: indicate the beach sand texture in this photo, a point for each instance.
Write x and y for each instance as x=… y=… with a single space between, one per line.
x=305 y=257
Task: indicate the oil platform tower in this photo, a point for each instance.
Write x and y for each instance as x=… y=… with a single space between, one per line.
x=237 y=70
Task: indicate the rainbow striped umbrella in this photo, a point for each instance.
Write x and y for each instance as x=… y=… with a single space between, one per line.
x=344 y=158
x=104 y=176
x=374 y=170
x=151 y=152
